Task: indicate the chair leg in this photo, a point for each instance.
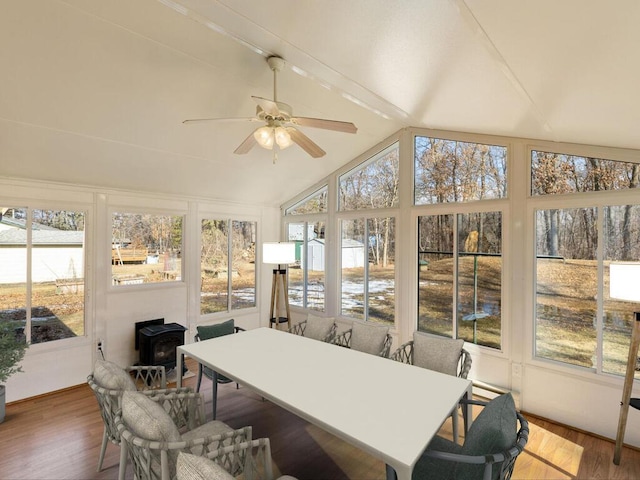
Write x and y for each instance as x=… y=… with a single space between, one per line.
x=122 y=469
x=103 y=449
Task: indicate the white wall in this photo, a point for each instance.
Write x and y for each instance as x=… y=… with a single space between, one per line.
x=111 y=312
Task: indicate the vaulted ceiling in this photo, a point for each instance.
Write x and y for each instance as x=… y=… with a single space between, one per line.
x=94 y=92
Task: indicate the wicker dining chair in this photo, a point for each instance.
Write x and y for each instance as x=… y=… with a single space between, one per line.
x=251 y=459
x=317 y=328
x=366 y=337
x=107 y=382
x=490 y=448
x=444 y=355
x=152 y=440
x=206 y=332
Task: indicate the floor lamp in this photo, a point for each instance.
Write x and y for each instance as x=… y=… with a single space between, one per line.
x=281 y=254
x=623 y=285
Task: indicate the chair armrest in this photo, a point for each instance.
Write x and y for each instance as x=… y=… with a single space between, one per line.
x=344 y=339
x=386 y=346
x=465 y=363
x=404 y=353
x=248 y=458
x=298 y=328
x=148 y=376
x=331 y=336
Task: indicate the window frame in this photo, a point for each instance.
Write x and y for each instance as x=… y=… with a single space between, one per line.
x=573 y=200
x=139 y=210
x=229 y=219
x=87 y=210
x=502 y=205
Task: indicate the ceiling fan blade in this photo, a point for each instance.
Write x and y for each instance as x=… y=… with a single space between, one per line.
x=246 y=145
x=238 y=119
x=346 y=127
x=268 y=106
x=305 y=143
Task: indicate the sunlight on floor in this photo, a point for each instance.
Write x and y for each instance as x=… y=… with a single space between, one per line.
x=548 y=456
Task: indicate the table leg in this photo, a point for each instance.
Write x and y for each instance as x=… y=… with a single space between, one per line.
x=214 y=401
x=467 y=411
x=179 y=364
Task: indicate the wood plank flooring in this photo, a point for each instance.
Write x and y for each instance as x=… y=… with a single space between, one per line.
x=58 y=436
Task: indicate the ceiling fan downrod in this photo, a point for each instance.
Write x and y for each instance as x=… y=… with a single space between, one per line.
x=276 y=64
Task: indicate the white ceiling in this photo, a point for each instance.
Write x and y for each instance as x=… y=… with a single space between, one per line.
x=94 y=92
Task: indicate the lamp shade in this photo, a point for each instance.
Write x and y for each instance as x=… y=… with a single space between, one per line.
x=624 y=281
x=281 y=253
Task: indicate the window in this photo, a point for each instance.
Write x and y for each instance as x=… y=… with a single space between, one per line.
x=453 y=171
x=460 y=252
x=42 y=276
x=460 y=271
x=146 y=248
x=306 y=276
x=314 y=203
x=227 y=265
x=368 y=269
x=555 y=173
x=372 y=184
x=576 y=322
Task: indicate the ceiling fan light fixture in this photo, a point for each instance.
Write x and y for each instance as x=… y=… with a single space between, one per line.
x=283 y=139
x=264 y=136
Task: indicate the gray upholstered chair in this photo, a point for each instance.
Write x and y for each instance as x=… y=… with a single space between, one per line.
x=444 y=355
x=318 y=328
x=206 y=332
x=366 y=337
x=152 y=440
x=107 y=382
x=252 y=459
x=490 y=448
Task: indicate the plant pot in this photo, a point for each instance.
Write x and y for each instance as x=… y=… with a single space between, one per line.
x=2 y=403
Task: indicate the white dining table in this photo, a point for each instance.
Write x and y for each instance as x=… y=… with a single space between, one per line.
x=388 y=409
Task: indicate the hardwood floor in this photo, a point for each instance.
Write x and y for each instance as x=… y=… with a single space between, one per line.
x=58 y=436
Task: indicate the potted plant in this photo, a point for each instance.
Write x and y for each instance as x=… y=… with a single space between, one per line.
x=12 y=349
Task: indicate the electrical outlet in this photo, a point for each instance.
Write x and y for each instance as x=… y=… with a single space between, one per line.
x=100 y=345
x=516 y=370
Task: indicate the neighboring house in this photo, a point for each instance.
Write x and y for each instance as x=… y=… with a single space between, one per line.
x=57 y=254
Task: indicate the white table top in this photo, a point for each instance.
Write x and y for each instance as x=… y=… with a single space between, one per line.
x=388 y=409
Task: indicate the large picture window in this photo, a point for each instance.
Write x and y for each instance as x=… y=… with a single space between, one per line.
x=576 y=321
x=368 y=269
x=146 y=248
x=460 y=276
x=227 y=265
x=42 y=276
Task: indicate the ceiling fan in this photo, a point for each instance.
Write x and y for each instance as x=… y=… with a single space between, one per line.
x=279 y=129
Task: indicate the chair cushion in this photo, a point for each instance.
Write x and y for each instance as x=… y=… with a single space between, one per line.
x=111 y=376
x=439 y=354
x=368 y=337
x=192 y=467
x=435 y=468
x=218 y=330
x=493 y=431
x=147 y=419
x=318 y=327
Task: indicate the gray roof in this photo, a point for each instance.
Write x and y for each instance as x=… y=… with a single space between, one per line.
x=41 y=237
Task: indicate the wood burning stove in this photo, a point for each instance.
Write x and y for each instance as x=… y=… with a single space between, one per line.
x=158 y=344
